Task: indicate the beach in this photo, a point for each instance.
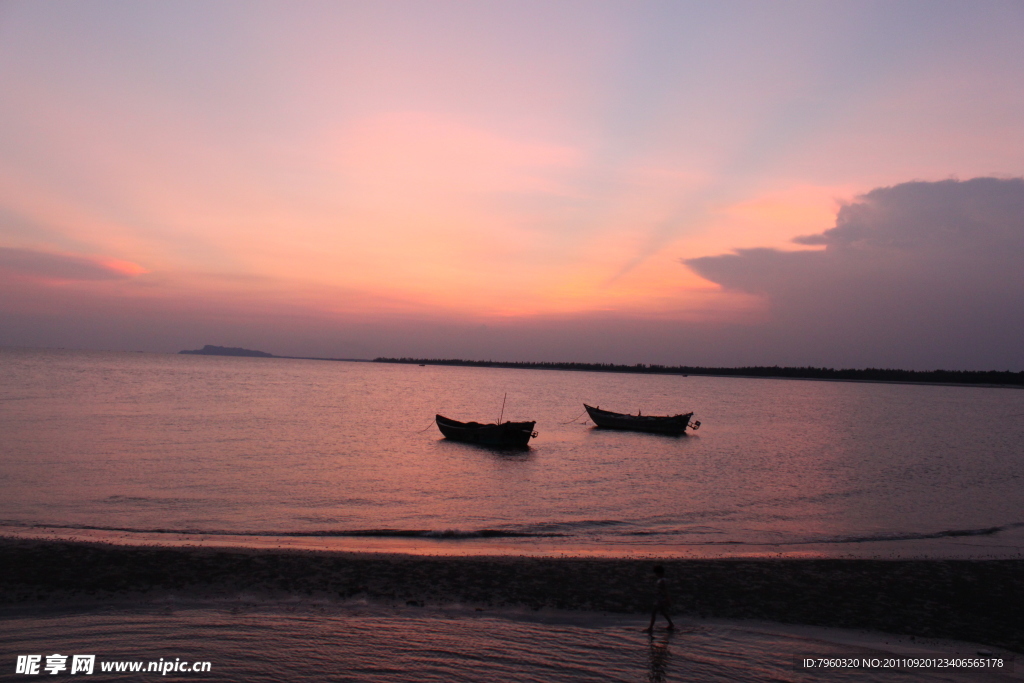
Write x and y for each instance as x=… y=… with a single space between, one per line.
x=970 y=600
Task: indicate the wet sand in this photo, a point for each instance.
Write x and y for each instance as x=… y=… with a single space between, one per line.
x=353 y=640
x=971 y=600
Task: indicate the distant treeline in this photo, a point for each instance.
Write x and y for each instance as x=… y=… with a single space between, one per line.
x=867 y=375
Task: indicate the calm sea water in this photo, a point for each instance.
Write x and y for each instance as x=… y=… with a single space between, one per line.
x=175 y=449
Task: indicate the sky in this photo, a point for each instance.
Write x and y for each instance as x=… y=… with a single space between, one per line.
x=731 y=183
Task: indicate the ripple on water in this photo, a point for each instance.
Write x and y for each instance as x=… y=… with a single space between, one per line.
x=372 y=643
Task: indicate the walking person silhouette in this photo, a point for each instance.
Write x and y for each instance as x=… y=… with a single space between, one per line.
x=661 y=599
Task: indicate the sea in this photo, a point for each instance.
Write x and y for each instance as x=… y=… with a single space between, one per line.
x=165 y=449
x=185 y=449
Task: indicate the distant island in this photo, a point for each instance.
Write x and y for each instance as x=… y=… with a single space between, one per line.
x=987 y=377
x=211 y=350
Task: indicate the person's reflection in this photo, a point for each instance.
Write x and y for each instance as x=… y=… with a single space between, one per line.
x=658 y=658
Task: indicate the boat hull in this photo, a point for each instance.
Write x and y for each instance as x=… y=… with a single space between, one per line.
x=504 y=434
x=674 y=424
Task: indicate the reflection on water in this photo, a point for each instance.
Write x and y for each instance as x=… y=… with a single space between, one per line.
x=313 y=450
x=659 y=658
x=367 y=643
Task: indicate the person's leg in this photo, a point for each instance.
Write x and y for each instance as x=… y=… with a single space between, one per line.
x=654 y=615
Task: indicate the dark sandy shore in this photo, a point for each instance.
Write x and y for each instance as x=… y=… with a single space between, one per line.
x=975 y=600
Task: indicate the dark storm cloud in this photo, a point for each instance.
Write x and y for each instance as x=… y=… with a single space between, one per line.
x=919 y=274
x=40 y=264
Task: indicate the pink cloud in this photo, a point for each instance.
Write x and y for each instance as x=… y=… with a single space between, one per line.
x=46 y=266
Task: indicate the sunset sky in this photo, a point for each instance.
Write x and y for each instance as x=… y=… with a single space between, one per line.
x=701 y=183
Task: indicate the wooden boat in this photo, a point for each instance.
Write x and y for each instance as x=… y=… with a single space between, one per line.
x=674 y=424
x=501 y=434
